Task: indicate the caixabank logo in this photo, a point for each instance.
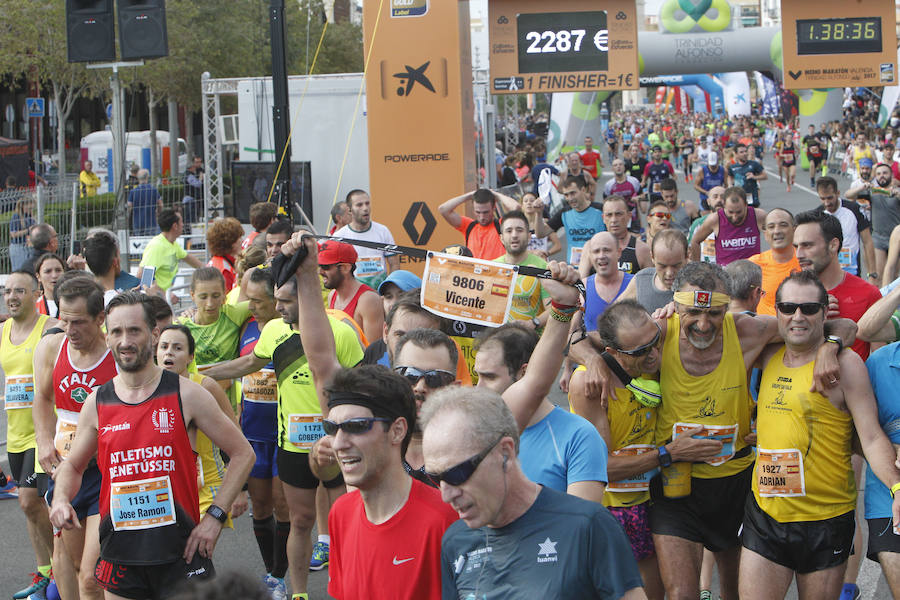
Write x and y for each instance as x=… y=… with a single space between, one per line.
x=414 y=78
x=409 y=8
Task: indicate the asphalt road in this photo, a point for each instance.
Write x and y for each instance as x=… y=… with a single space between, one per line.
x=237 y=550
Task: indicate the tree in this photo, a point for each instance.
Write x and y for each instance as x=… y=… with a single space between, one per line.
x=33 y=38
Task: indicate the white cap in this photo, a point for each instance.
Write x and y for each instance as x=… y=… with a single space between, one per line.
x=712 y=159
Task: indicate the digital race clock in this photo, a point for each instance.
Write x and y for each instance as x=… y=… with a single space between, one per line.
x=557 y=42
x=849 y=35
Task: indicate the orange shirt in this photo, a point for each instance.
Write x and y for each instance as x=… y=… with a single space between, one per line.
x=773 y=273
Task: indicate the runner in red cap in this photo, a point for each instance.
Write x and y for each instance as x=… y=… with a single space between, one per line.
x=337 y=264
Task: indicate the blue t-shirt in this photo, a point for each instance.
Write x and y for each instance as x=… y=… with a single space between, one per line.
x=259 y=419
x=711 y=180
x=144 y=200
x=126 y=281
x=561 y=449
x=579 y=227
x=594 y=305
x=562 y=547
x=884 y=372
x=536 y=175
x=739 y=172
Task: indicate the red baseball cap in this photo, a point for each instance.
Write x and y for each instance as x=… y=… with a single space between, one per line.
x=332 y=252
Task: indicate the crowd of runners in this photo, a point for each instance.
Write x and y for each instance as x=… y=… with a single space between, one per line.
x=725 y=401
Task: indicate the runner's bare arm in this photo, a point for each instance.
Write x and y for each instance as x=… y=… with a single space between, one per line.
x=860 y=399
x=370 y=315
x=200 y=410
x=875 y=325
x=316 y=334
x=587 y=490
x=193 y=261
x=448 y=209
x=524 y=396
x=708 y=226
x=237 y=367
x=507 y=203
x=760 y=218
x=67 y=477
x=393 y=263
x=209 y=384
x=893 y=256
x=42 y=409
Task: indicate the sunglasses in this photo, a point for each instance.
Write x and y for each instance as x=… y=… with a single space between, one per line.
x=434 y=378
x=352 y=426
x=459 y=474
x=645 y=349
x=660 y=215
x=807 y=308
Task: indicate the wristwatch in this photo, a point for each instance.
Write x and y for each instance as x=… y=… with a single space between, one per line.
x=873 y=275
x=535 y=322
x=835 y=340
x=665 y=459
x=217 y=513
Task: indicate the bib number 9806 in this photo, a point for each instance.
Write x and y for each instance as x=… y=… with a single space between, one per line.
x=467 y=283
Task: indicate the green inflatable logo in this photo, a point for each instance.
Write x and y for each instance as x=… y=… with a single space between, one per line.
x=697 y=16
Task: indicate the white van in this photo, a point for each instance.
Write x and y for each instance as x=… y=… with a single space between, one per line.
x=97 y=148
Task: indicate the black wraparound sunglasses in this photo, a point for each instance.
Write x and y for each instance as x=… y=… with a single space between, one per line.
x=459 y=474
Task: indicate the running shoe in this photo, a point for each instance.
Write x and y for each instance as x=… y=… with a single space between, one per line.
x=319 y=558
x=276 y=587
x=38 y=584
x=850 y=591
x=9 y=490
x=705 y=595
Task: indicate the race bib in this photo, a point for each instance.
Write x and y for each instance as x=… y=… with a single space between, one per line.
x=638 y=483
x=654 y=187
x=723 y=433
x=19 y=391
x=369 y=266
x=780 y=473
x=845 y=258
x=575 y=256
x=141 y=504
x=708 y=250
x=468 y=289
x=66 y=424
x=261 y=387
x=305 y=430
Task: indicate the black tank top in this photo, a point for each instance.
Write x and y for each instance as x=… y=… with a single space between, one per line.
x=628 y=261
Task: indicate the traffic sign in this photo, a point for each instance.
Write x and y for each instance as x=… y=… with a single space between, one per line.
x=34 y=108
x=835 y=43
x=578 y=45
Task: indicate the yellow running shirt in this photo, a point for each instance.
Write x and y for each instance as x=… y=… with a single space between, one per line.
x=16 y=361
x=211 y=467
x=718 y=400
x=803 y=472
x=631 y=427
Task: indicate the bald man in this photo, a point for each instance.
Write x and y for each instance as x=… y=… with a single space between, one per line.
x=607 y=283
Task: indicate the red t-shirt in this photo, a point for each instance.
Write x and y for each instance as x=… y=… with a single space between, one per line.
x=855 y=296
x=398 y=559
x=589 y=160
x=483 y=240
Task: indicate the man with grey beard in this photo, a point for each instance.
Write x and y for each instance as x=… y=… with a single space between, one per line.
x=706 y=355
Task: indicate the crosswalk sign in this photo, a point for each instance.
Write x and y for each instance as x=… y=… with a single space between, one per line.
x=34 y=107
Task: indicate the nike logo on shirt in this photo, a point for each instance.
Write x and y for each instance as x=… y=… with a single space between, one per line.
x=400 y=562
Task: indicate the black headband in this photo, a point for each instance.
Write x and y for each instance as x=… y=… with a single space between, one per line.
x=379 y=407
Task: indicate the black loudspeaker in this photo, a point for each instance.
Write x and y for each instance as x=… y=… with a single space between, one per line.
x=90 y=30
x=142 y=29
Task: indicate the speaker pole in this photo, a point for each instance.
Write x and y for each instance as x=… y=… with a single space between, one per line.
x=118 y=131
x=280 y=109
